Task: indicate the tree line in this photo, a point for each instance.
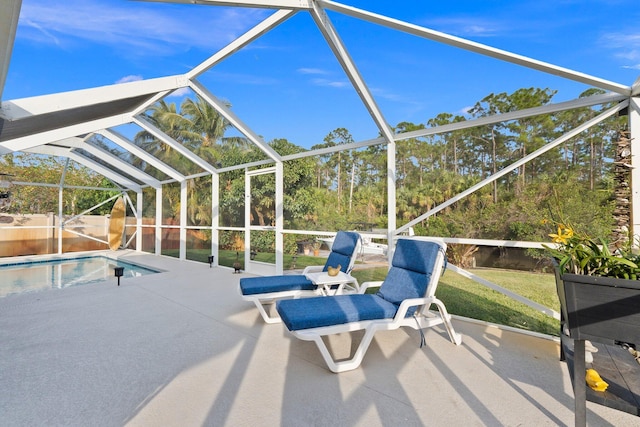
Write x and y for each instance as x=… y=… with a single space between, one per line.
x=348 y=189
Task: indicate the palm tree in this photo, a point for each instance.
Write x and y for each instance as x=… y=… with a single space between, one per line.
x=208 y=127
x=206 y=123
x=199 y=127
x=165 y=117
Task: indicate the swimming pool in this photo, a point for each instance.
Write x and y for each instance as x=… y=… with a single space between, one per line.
x=61 y=273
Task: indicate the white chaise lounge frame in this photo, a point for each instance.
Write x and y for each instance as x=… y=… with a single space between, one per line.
x=423 y=318
x=264 y=300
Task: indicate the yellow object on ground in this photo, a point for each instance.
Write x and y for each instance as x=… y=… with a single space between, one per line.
x=116 y=224
x=594 y=381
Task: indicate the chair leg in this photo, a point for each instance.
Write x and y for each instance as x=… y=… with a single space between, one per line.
x=265 y=315
x=455 y=337
x=345 y=365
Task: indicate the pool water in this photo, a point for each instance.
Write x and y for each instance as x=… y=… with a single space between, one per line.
x=62 y=273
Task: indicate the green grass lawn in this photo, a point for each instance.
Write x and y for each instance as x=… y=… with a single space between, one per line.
x=227 y=258
x=462 y=296
x=467 y=298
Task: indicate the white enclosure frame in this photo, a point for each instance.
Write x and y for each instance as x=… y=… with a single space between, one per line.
x=126 y=103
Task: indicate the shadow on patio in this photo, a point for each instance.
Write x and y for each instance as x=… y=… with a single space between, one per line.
x=182 y=348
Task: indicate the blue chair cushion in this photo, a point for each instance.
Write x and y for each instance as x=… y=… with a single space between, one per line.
x=342 y=250
x=268 y=284
x=409 y=275
x=416 y=255
x=316 y=312
x=400 y=285
x=335 y=259
x=345 y=242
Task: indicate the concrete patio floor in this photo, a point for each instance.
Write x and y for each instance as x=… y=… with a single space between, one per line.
x=181 y=348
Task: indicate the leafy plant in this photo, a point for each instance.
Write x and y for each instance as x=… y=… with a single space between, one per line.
x=290 y=244
x=579 y=253
x=317 y=243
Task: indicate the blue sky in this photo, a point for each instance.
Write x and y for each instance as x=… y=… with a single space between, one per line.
x=287 y=84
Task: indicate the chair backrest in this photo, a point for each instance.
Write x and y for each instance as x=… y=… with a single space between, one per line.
x=344 y=251
x=415 y=269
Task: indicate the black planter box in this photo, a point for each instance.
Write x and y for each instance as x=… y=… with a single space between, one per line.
x=601 y=309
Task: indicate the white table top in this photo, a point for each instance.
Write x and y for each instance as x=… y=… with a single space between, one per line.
x=323 y=278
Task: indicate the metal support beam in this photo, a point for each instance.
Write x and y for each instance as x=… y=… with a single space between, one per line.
x=477 y=48
x=215 y=217
x=279 y=196
x=9 y=13
x=634 y=130
x=237 y=44
x=89 y=163
x=118 y=163
x=41 y=138
x=72 y=100
x=516 y=115
x=391 y=199
x=60 y=205
x=183 y=219
x=152 y=129
x=342 y=55
x=467 y=124
x=86 y=211
x=158 y=240
x=139 y=206
x=610 y=112
x=133 y=149
x=247 y=221
x=233 y=119
x=268 y=4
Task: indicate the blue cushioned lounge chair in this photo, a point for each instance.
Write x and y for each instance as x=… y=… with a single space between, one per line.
x=404 y=299
x=265 y=290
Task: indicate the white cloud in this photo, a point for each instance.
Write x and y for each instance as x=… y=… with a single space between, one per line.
x=146 y=27
x=468 y=26
x=323 y=81
x=466 y=110
x=311 y=71
x=127 y=79
x=42 y=31
x=330 y=83
x=621 y=39
x=383 y=93
x=625 y=46
x=408 y=105
x=183 y=91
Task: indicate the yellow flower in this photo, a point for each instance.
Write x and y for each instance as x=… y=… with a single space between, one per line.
x=564 y=234
x=567 y=232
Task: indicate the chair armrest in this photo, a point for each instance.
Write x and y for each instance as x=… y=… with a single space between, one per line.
x=366 y=285
x=312 y=269
x=411 y=302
